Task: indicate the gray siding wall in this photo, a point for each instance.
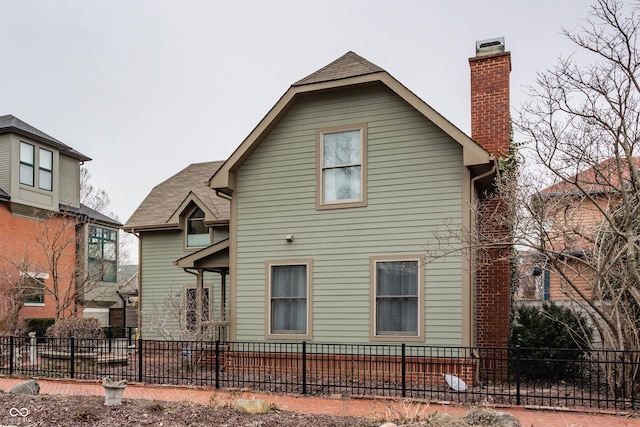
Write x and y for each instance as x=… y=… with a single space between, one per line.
x=5 y=163
x=69 y=181
x=162 y=283
x=414 y=188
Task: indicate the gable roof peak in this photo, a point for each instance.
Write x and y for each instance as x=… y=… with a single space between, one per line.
x=348 y=65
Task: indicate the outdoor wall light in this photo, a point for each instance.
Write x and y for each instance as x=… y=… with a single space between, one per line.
x=289 y=238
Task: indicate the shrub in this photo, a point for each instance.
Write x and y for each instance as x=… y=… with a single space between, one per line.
x=86 y=332
x=552 y=339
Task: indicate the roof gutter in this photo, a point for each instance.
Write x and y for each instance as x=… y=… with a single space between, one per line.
x=223 y=195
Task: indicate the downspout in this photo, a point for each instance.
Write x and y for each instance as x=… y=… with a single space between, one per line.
x=472 y=217
x=124 y=309
x=139 y=328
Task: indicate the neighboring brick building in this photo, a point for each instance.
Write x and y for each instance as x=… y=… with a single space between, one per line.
x=41 y=218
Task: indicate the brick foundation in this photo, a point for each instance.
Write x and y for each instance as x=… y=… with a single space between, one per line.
x=363 y=368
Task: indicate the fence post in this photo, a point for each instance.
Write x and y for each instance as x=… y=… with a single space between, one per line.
x=517 y=375
x=217 y=363
x=11 y=353
x=404 y=372
x=73 y=358
x=304 y=367
x=140 y=359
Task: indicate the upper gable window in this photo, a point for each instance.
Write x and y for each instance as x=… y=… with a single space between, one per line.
x=342 y=167
x=27 y=162
x=197 y=232
x=28 y=166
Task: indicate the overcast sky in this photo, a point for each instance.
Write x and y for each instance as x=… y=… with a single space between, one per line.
x=147 y=87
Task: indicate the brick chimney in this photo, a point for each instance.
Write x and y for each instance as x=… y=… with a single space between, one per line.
x=490 y=114
x=490 y=127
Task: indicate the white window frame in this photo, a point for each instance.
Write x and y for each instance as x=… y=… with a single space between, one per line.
x=321 y=168
x=269 y=333
x=41 y=277
x=398 y=335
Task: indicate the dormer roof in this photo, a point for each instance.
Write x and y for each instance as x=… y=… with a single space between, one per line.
x=160 y=210
x=12 y=124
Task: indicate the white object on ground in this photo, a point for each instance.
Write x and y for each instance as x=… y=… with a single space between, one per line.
x=454 y=382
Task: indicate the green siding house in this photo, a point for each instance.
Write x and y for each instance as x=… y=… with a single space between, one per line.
x=330 y=204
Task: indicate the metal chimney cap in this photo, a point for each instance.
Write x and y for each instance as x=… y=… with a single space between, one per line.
x=490 y=46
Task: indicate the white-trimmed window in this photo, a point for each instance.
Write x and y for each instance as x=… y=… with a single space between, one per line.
x=289 y=296
x=197 y=231
x=191 y=307
x=27 y=163
x=397 y=297
x=33 y=288
x=342 y=166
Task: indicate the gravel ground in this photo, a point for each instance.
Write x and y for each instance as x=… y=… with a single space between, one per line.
x=56 y=410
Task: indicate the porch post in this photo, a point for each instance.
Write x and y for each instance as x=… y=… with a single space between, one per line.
x=200 y=279
x=223 y=287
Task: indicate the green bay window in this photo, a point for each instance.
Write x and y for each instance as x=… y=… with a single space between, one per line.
x=103 y=251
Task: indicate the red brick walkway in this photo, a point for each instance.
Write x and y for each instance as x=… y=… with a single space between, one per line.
x=372 y=408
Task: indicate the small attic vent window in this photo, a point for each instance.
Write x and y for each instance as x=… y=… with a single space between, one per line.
x=489 y=46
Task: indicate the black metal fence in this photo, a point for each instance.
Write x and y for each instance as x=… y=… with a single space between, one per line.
x=518 y=376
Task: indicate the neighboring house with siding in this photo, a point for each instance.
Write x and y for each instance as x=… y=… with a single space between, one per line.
x=573 y=213
x=40 y=197
x=333 y=198
x=181 y=217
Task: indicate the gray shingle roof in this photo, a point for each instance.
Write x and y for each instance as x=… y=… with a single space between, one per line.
x=92 y=214
x=163 y=200
x=348 y=65
x=12 y=124
x=4 y=194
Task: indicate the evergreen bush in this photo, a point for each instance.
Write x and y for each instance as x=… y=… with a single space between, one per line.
x=552 y=339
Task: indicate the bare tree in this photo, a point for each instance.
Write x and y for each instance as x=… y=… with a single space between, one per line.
x=56 y=240
x=583 y=123
x=93 y=197
x=15 y=288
